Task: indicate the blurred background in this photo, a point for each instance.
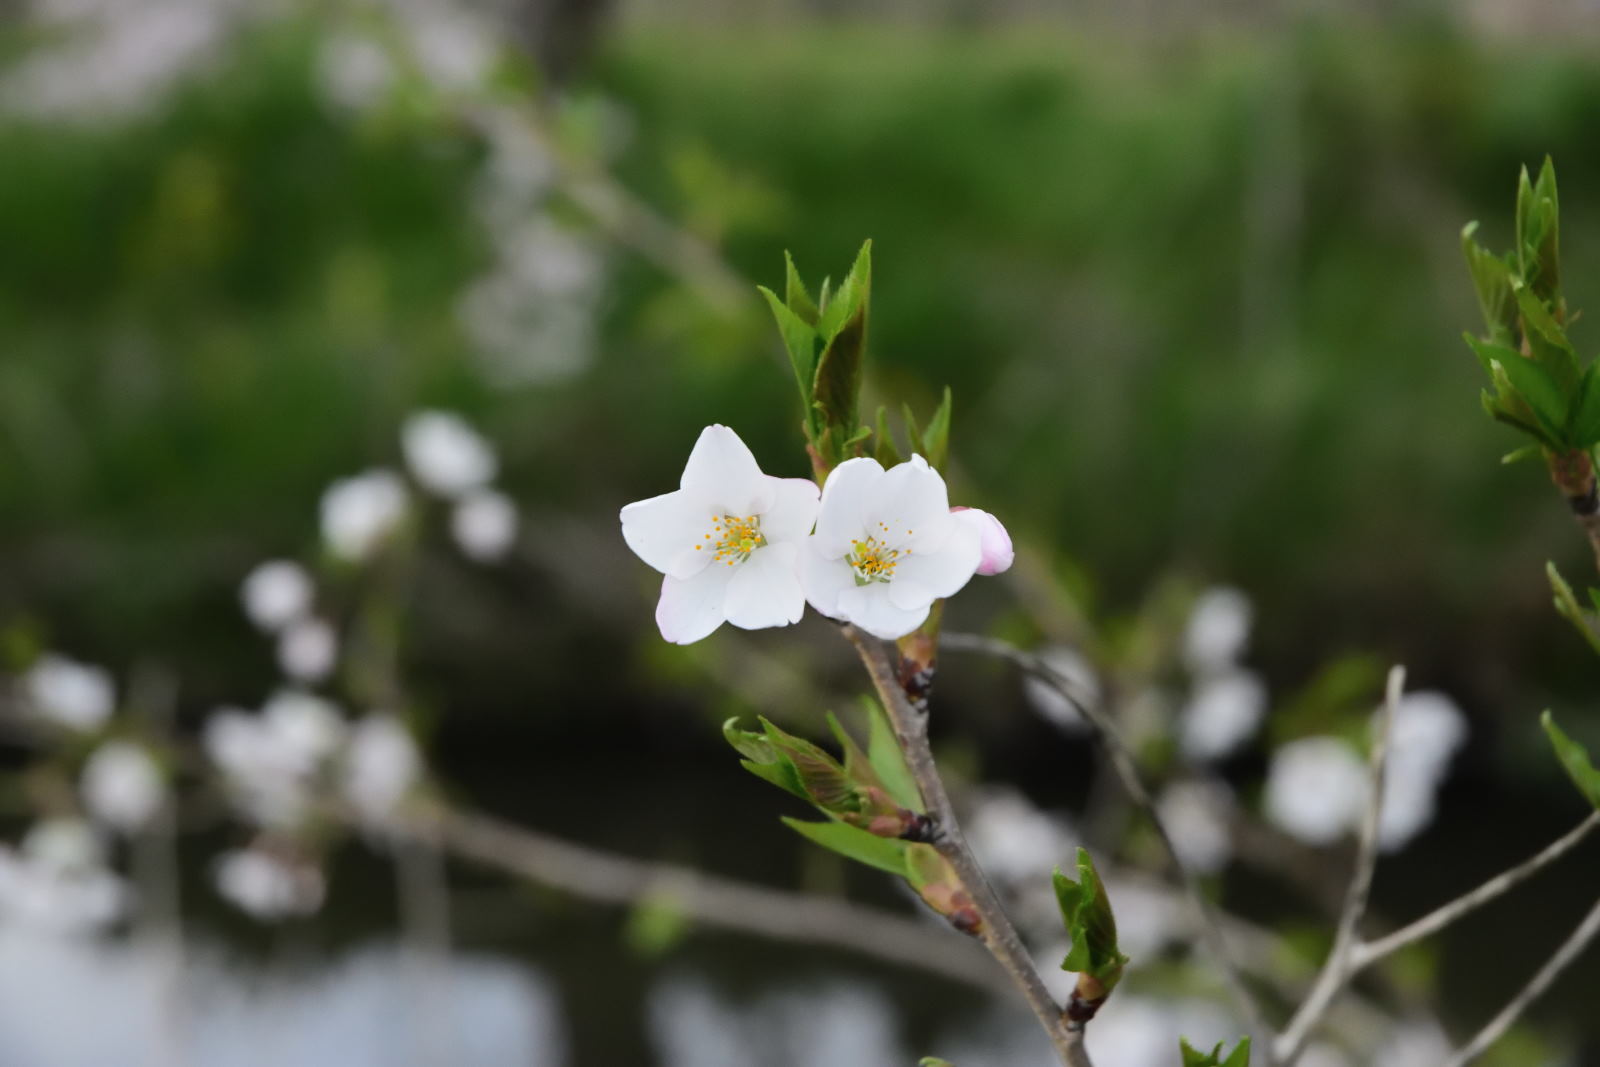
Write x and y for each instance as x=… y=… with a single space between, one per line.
x=1192 y=273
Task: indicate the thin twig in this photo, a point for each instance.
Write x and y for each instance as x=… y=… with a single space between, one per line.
x=705 y=899
x=1496 y=1028
x=1077 y=1052
x=1338 y=968
x=1374 y=950
x=999 y=936
x=1122 y=761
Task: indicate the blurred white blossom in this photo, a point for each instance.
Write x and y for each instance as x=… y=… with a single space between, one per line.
x=113 y=59
x=1316 y=789
x=1198 y=813
x=382 y=765
x=308 y=649
x=121 y=785
x=484 y=524
x=359 y=512
x=76 y=695
x=1077 y=674
x=354 y=71
x=1016 y=841
x=1416 y=1043
x=455 y=48
x=1149 y=915
x=1218 y=628
x=276 y=593
x=271 y=759
x=1223 y=712
x=445 y=454
x=1427 y=731
x=57 y=881
x=267 y=885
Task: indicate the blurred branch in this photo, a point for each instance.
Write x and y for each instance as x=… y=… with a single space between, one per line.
x=1496 y=1027
x=999 y=936
x=1371 y=951
x=1122 y=761
x=1340 y=965
x=706 y=899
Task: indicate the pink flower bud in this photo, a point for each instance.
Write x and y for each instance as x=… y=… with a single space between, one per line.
x=997 y=550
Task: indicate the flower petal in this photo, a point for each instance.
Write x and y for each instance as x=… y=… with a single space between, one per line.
x=690 y=610
x=869 y=607
x=941 y=573
x=823 y=579
x=722 y=470
x=996 y=542
x=663 y=531
x=847 y=498
x=765 y=589
x=793 y=510
x=909 y=503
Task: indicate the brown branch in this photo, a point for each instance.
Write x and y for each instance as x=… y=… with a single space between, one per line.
x=997 y=933
x=1570 y=950
x=1116 y=750
x=1340 y=965
x=705 y=899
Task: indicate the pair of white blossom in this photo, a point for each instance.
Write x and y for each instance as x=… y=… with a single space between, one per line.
x=874 y=548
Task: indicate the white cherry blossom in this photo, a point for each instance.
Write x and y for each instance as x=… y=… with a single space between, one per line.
x=998 y=552
x=1316 y=789
x=359 y=512
x=122 y=786
x=308 y=649
x=76 y=695
x=58 y=881
x=381 y=766
x=1223 y=712
x=268 y=886
x=484 y=524
x=276 y=593
x=728 y=541
x=887 y=546
x=446 y=455
x=1218 y=628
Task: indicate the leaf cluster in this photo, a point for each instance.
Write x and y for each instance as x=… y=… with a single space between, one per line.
x=826 y=339
x=1086 y=913
x=869 y=796
x=1540 y=385
x=1239 y=1057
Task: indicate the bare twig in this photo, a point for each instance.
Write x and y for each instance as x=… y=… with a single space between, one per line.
x=705 y=899
x=999 y=936
x=1376 y=949
x=1339 y=967
x=1496 y=1027
x=1122 y=761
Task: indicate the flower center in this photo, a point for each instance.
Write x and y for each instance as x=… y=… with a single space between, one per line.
x=733 y=538
x=873 y=560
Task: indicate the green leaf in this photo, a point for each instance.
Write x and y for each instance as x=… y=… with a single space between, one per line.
x=1575 y=758
x=800 y=341
x=1538 y=232
x=885 y=452
x=887 y=759
x=764 y=760
x=1568 y=608
x=1547 y=340
x=795 y=296
x=1583 y=420
x=913 y=433
x=1086 y=913
x=1526 y=452
x=1239 y=1057
x=656 y=925
x=884 y=853
x=821 y=777
x=836 y=386
x=936 y=439
x=1532 y=383
x=1491 y=277
x=934 y=1061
